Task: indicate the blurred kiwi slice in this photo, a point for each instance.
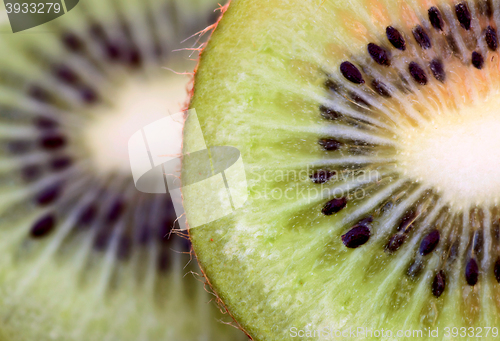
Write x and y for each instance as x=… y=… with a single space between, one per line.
x=369 y=134
x=85 y=255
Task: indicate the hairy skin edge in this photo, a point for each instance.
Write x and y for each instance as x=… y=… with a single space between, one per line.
x=200 y=49
x=222 y=307
x=190 y=89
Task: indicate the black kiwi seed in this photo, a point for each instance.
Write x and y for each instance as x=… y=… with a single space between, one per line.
x=356 y=236
x=381 y=88
x=321 y=176
x=134 y=58
x=471 y=272
x=439 y=283
x=438 y=70
x=88 y=95
x=477 y=60
x=112 y=51
x=52 y=141
x=396 y=241
x=351 y=73
x=429 y=243
x=378 y=54
x=31 y=172
x=330 y=144
x=496 y=270
x=333 y=206
x=65 y=74
x=421 y=37
x=45 y=123
x=417 y=73
x=491 y=38
x=61 y=162
x=435 y=18
x=40 y=94
x=329 y=113
x=406 y=222
x=395 y=38
x=43 y=226
x=72 y=42
x=115 y=210
x=87 y=215
x=49 y=194
x=463 y=15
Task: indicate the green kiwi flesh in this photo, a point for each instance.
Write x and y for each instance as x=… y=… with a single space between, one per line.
x=368 y=131
x=85 y=255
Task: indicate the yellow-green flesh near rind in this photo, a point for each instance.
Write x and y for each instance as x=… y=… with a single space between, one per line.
x=278 y=263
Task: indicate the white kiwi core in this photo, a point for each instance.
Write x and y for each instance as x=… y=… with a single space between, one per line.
x=138 y=103
x=458 y=153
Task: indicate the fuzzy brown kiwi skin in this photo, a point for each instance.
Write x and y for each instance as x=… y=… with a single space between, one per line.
x=218 y=300
x=211 y=29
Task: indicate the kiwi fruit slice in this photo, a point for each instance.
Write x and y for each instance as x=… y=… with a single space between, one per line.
x=368 y=131
x=85 y=255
